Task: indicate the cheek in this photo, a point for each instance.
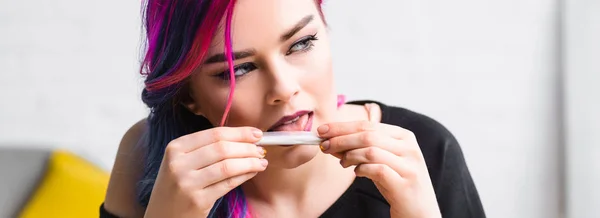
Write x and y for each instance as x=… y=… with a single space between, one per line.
x=319 y=76
x=244 y=110
x=210 y=105
x=210 y=98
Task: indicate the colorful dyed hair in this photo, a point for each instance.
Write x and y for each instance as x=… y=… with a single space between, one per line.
x=179 y=33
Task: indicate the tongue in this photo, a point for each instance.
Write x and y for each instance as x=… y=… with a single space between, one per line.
x=295 y=126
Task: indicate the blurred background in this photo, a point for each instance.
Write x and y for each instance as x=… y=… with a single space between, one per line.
x=514 y=80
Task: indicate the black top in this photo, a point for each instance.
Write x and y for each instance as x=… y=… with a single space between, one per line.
x=456 y=193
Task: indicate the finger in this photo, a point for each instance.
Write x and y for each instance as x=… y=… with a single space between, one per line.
x=361 y=140
x=367 y=155
x=379 y=173
x=344 y=128
x=196 y=140
x=374 y=155
x=215 y=152
x=229 y=168
x=338 y=155
x=217 y=190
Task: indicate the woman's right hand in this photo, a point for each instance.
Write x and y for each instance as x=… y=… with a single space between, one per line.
x=199 y=168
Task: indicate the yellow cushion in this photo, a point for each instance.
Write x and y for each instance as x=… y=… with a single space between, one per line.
x=72 y=187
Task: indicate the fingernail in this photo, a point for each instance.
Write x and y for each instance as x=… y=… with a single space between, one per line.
x=264 y=162
x=323 y=129
x=257 y=133
x=325 y=145
x=261 y=151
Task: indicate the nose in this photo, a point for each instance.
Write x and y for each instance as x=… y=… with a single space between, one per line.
x=285 y=84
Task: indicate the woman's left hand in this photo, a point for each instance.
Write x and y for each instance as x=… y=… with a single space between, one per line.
x=389 y=156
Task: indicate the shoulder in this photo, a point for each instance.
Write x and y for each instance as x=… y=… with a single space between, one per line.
x=436 y=141
x=429 y=131
x=130 y=141
x=456 y=192
x=455 y=189
x=127 y=170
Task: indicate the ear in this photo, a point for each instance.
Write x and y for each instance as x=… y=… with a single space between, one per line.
x=189 y=103
x=192 y=107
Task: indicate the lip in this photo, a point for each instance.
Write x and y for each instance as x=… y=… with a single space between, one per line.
x=291 y=117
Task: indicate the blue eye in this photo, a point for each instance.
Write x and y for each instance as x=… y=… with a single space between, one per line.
x=304 y=44
x=238 y=71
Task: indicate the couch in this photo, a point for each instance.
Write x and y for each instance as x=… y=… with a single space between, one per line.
x=49 y=183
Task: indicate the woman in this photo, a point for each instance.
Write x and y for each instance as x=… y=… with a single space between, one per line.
x=219 y=74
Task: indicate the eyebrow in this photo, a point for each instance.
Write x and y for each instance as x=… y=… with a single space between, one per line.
x=236 y=55
x=250 y=52
x=301 y=24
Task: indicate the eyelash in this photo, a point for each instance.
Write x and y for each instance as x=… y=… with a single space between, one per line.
x=249 y=66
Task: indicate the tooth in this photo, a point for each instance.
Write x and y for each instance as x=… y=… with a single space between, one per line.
x=291 y=121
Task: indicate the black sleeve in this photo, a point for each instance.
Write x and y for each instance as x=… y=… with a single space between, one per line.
x=106 y=214
x=456 y=193
x=455 y=190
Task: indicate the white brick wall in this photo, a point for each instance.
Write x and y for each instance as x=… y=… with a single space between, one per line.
x=486 y=69
x=68 y=74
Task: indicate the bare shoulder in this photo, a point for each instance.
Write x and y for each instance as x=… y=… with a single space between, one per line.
x=121 y=194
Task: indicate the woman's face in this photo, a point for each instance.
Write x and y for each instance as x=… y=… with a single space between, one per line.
x=283 y=68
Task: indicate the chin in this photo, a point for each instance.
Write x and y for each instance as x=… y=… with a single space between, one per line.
x=293 y=157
